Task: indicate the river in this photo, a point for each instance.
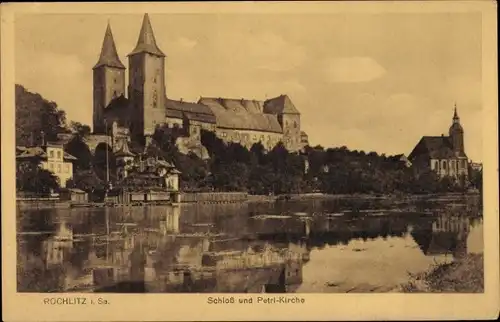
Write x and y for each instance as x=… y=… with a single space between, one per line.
x=315 y=246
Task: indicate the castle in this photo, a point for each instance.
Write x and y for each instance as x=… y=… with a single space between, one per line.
x=119 y=118
x=443 y=154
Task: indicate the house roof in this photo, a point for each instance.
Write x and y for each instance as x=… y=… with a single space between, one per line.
x=25 y=153
x=436 y=147
x=147 y=42
x=280 y=105
x=189 y=110
x=241 y=114
x=109 y=56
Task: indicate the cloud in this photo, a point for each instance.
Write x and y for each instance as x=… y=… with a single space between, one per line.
x=353 y=70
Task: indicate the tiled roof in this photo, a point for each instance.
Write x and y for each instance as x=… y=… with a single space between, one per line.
x=241 y=115
x=436 y=147
x=192 y=111
x=147 y=42
x=281 y=104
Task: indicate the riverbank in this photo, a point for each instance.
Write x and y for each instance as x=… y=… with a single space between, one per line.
x=465 y=275
x=237 y=197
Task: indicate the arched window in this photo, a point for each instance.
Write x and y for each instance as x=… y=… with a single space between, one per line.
x=295 y=124
x=443 y=164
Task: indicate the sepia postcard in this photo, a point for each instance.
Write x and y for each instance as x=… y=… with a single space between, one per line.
x=246 y=161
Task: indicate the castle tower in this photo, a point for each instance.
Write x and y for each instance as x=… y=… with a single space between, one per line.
x=457 y=134
x=146 y=83
x=109 y=80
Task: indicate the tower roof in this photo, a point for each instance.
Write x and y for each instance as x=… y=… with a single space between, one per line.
x=147 y=42
x=455 y=114
x=109 y=56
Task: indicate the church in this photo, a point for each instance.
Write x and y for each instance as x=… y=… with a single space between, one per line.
x=443 y=154
x=136 y=112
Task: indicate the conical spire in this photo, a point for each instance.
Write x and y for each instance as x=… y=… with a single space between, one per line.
x=109 y=55
x=147 y=42
x=456 y=119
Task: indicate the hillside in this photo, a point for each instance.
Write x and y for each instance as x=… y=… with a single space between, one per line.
x=35 y=114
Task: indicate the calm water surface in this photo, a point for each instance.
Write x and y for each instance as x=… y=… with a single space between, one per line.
x=308 y=246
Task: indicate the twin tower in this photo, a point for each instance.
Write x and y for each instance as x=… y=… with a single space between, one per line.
x=146 y=89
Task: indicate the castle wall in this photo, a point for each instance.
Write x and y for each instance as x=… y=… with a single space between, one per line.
x=247 y=138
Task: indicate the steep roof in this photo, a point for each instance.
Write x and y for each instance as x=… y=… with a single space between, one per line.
x=280 y=105
x=192 y=111
x=118 y=110
x=241 y=114
x=109 y=56
x=147 y=42
x=435 y=147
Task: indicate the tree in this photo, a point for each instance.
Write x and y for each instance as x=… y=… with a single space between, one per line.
x=80 y=129
x=99 y=162
x=31 y=178
x=37 y=118
x=77 y=148
x=87 y=181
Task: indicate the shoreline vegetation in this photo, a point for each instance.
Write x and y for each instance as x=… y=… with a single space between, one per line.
x=463 y=275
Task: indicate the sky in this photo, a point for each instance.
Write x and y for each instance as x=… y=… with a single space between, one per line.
x=372 y=82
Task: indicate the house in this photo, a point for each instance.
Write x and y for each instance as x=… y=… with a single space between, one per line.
x=443 y=154
x=49 y=156
x=74 y=195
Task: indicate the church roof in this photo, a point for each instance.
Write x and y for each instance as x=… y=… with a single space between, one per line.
x=147 y=42
x=117 y=110
x=435 y=147
x=241 y=114
x=109 y=56
x=192 y=111
x=281 y=104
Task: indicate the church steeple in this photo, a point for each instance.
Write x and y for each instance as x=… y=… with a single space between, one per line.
x=109 y=56
x=456 y=133
x=456 y=119
x=147 y=42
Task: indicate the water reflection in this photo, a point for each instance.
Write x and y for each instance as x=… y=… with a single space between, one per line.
x=280 y=247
